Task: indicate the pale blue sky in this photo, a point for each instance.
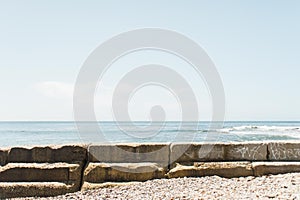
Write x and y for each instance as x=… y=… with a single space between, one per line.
x=254 y=44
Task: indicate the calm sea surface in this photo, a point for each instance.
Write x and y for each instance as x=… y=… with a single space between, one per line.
x=45 y=133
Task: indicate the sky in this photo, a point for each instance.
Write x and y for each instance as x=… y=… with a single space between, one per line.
x=255 y=46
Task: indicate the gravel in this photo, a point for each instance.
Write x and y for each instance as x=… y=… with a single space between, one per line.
x=286 y=186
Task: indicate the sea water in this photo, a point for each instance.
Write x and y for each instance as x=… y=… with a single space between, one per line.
x=46 y=133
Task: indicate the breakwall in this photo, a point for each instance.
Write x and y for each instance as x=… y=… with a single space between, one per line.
x=55 y=170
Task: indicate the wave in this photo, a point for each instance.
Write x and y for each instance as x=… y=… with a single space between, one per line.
x=261 y=129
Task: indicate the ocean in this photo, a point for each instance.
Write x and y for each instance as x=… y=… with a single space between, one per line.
x=48 y=133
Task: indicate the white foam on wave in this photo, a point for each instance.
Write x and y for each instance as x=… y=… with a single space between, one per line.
x=291 y=131
x=261 y=128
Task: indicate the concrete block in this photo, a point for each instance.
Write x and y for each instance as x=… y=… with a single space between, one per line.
x=246 y=151
x=47 y=154
x=3 y=156
x=263 y=168
x=70 y=153
x=34 y=189
x=40 y=172
x=223 y=169
x=284 y=151
x=186 y=154
x=130 y=153
x=189 y=153
x=120 y=172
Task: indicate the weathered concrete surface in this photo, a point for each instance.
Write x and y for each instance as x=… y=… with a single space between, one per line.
x=263 y=168
x=39 y=179
x=223 y=169
x=234 y=169
x=189 y=153
x=130 y=153
x=3 y=156
x=47 y=171
x=40 y=172
x=197 y=152
x=248 y=151
x=120 y=172
x=284 y=151
x=32 y=173
x=69 y=153
x=93 y=186
x=32 y=189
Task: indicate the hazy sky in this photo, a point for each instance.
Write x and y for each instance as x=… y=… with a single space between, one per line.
x=255 y=46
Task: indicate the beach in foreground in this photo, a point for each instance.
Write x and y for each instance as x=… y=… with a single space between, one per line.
x=282 y=186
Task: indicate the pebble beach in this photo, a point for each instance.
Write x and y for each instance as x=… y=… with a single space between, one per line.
x=282 y=186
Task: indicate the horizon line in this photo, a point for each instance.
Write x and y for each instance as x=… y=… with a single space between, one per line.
x=149 y=121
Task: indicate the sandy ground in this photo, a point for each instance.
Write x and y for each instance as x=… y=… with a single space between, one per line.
x=286 y=186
